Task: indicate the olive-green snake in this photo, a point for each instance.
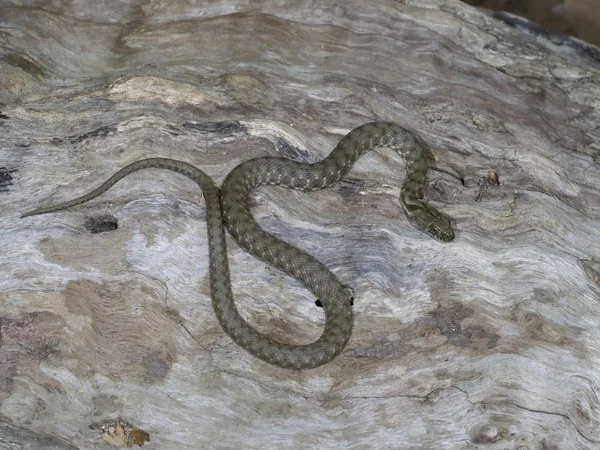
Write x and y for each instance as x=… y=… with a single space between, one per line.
x=230 y=208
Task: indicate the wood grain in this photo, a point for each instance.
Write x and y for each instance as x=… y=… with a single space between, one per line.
x=487 y=342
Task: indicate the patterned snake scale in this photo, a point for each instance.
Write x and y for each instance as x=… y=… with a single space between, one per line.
x=230 y=208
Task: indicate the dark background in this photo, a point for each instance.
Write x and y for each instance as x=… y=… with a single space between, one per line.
x=579 y=18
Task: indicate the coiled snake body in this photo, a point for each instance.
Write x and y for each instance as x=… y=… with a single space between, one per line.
x=230 y=208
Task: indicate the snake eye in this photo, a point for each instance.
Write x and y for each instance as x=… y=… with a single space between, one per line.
x=444 y=235
x=434 y=229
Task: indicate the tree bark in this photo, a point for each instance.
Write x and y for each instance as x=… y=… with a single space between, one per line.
x=490 y=341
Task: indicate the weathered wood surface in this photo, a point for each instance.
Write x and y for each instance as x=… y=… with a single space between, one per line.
x=489 y=342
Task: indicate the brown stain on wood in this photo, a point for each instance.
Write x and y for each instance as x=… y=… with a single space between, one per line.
x=127 y=333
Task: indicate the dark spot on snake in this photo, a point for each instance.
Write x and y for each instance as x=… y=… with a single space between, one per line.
x=95 y=226
x=320 y=305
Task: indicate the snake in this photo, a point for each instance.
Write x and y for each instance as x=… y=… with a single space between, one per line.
x=228 y=207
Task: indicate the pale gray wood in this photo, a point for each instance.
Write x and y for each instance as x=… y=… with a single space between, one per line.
x=487 y=342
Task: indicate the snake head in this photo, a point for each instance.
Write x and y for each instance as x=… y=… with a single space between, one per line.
x=443 y=233
x=434 y=222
